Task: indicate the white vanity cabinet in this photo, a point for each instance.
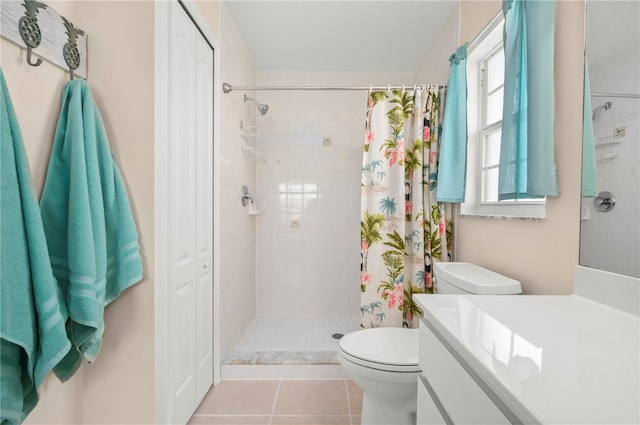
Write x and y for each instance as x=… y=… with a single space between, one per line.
x=532 y=359
x=446 y=391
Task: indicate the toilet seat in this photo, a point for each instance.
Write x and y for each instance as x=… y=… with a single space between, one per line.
x=386 y=349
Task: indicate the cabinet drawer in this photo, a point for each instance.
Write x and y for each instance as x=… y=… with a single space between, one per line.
x=428 y=411
x=459 y=395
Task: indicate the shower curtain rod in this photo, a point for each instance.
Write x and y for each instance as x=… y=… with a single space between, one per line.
x=625 y=95
x=226 y=87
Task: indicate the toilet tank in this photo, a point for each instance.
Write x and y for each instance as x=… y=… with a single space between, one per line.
x=468 y=278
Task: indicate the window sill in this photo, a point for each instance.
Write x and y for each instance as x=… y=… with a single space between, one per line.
x=524 y=211
x=503 y=217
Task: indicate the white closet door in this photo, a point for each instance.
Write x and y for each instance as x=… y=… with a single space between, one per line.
x=204 y=208
x=190 y=197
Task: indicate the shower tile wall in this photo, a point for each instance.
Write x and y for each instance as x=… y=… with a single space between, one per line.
x=308 y=188
x=237 y=233
x=610 y=241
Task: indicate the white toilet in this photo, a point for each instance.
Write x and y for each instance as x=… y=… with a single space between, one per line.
x=383 y=362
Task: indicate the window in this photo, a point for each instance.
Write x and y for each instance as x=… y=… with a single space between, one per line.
x=491 y=86
x=485 y=81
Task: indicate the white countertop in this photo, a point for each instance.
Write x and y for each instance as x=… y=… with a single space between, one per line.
x=551 y=359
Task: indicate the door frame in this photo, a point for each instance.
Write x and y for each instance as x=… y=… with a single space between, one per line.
x=163 y=408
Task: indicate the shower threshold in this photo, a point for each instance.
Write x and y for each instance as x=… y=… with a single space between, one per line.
x=281 y=357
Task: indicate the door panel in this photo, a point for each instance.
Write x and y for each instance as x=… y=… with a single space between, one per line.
x=182 y=205
x=204 y=202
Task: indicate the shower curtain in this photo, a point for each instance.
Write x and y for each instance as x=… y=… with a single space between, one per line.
x=403 y=229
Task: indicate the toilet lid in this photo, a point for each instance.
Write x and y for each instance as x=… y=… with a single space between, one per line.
x=383 y=348
x=477 y=280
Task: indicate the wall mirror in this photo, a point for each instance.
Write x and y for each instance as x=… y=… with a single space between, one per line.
x=610 y=222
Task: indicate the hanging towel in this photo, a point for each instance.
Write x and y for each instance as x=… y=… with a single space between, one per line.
x=92 y=237
x=32 y=326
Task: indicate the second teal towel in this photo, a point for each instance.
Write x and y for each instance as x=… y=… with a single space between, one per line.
x=91 y=233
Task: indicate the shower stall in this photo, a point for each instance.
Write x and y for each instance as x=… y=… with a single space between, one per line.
x=610 y=220
x=610 y=235
x=308 y=154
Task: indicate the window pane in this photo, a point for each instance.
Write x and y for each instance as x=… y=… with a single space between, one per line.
x=490 y=185
x=494 y=106
x=495 y=66
x=491 y=149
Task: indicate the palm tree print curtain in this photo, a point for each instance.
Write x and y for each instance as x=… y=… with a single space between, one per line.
x=403 y=229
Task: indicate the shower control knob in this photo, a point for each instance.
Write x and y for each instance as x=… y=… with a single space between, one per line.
x=604 y=202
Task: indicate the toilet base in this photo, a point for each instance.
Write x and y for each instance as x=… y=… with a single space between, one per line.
x=376 y=411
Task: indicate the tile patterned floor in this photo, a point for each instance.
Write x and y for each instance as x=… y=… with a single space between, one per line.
x=283 y=402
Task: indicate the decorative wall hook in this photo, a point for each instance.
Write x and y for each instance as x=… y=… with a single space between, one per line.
x=29 y=28
x=39 y=30
x=70 y=48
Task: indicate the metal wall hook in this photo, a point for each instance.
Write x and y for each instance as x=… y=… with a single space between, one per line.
x=70 y=48
x=36 y=63
x=29 y=29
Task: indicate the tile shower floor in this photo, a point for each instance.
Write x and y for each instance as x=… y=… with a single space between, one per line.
x=292 y=340
x=276 y=402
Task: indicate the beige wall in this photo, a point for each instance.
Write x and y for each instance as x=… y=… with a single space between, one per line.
x=474 y=15
x=212 y=12
x=121 y=69
x=542 y=255
x=434 y=67
x=119 y=387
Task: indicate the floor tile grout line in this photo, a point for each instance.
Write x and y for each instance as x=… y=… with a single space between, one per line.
x=272 y=415
x=229 y=415
x=346 y=387
x=256 y=415
x=295 y=415
x=275 y=401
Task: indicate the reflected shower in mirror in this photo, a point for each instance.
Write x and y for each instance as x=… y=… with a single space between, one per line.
x=610 y=221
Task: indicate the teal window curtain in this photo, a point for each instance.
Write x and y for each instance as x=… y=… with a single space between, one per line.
x=589 y=168
x=452 y=168
x=527 y=163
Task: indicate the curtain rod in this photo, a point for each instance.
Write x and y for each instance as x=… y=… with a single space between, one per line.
x=627 y=95
x=226 y=87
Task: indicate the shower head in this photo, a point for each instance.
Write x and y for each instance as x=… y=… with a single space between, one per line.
x=606 y=106
x=263 y=108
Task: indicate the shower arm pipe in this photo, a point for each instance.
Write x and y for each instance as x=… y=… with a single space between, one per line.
x=226 y=87
x=625 y=95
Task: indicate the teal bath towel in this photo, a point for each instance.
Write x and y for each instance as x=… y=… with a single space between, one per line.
x=32 y=315
x=91 y=233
